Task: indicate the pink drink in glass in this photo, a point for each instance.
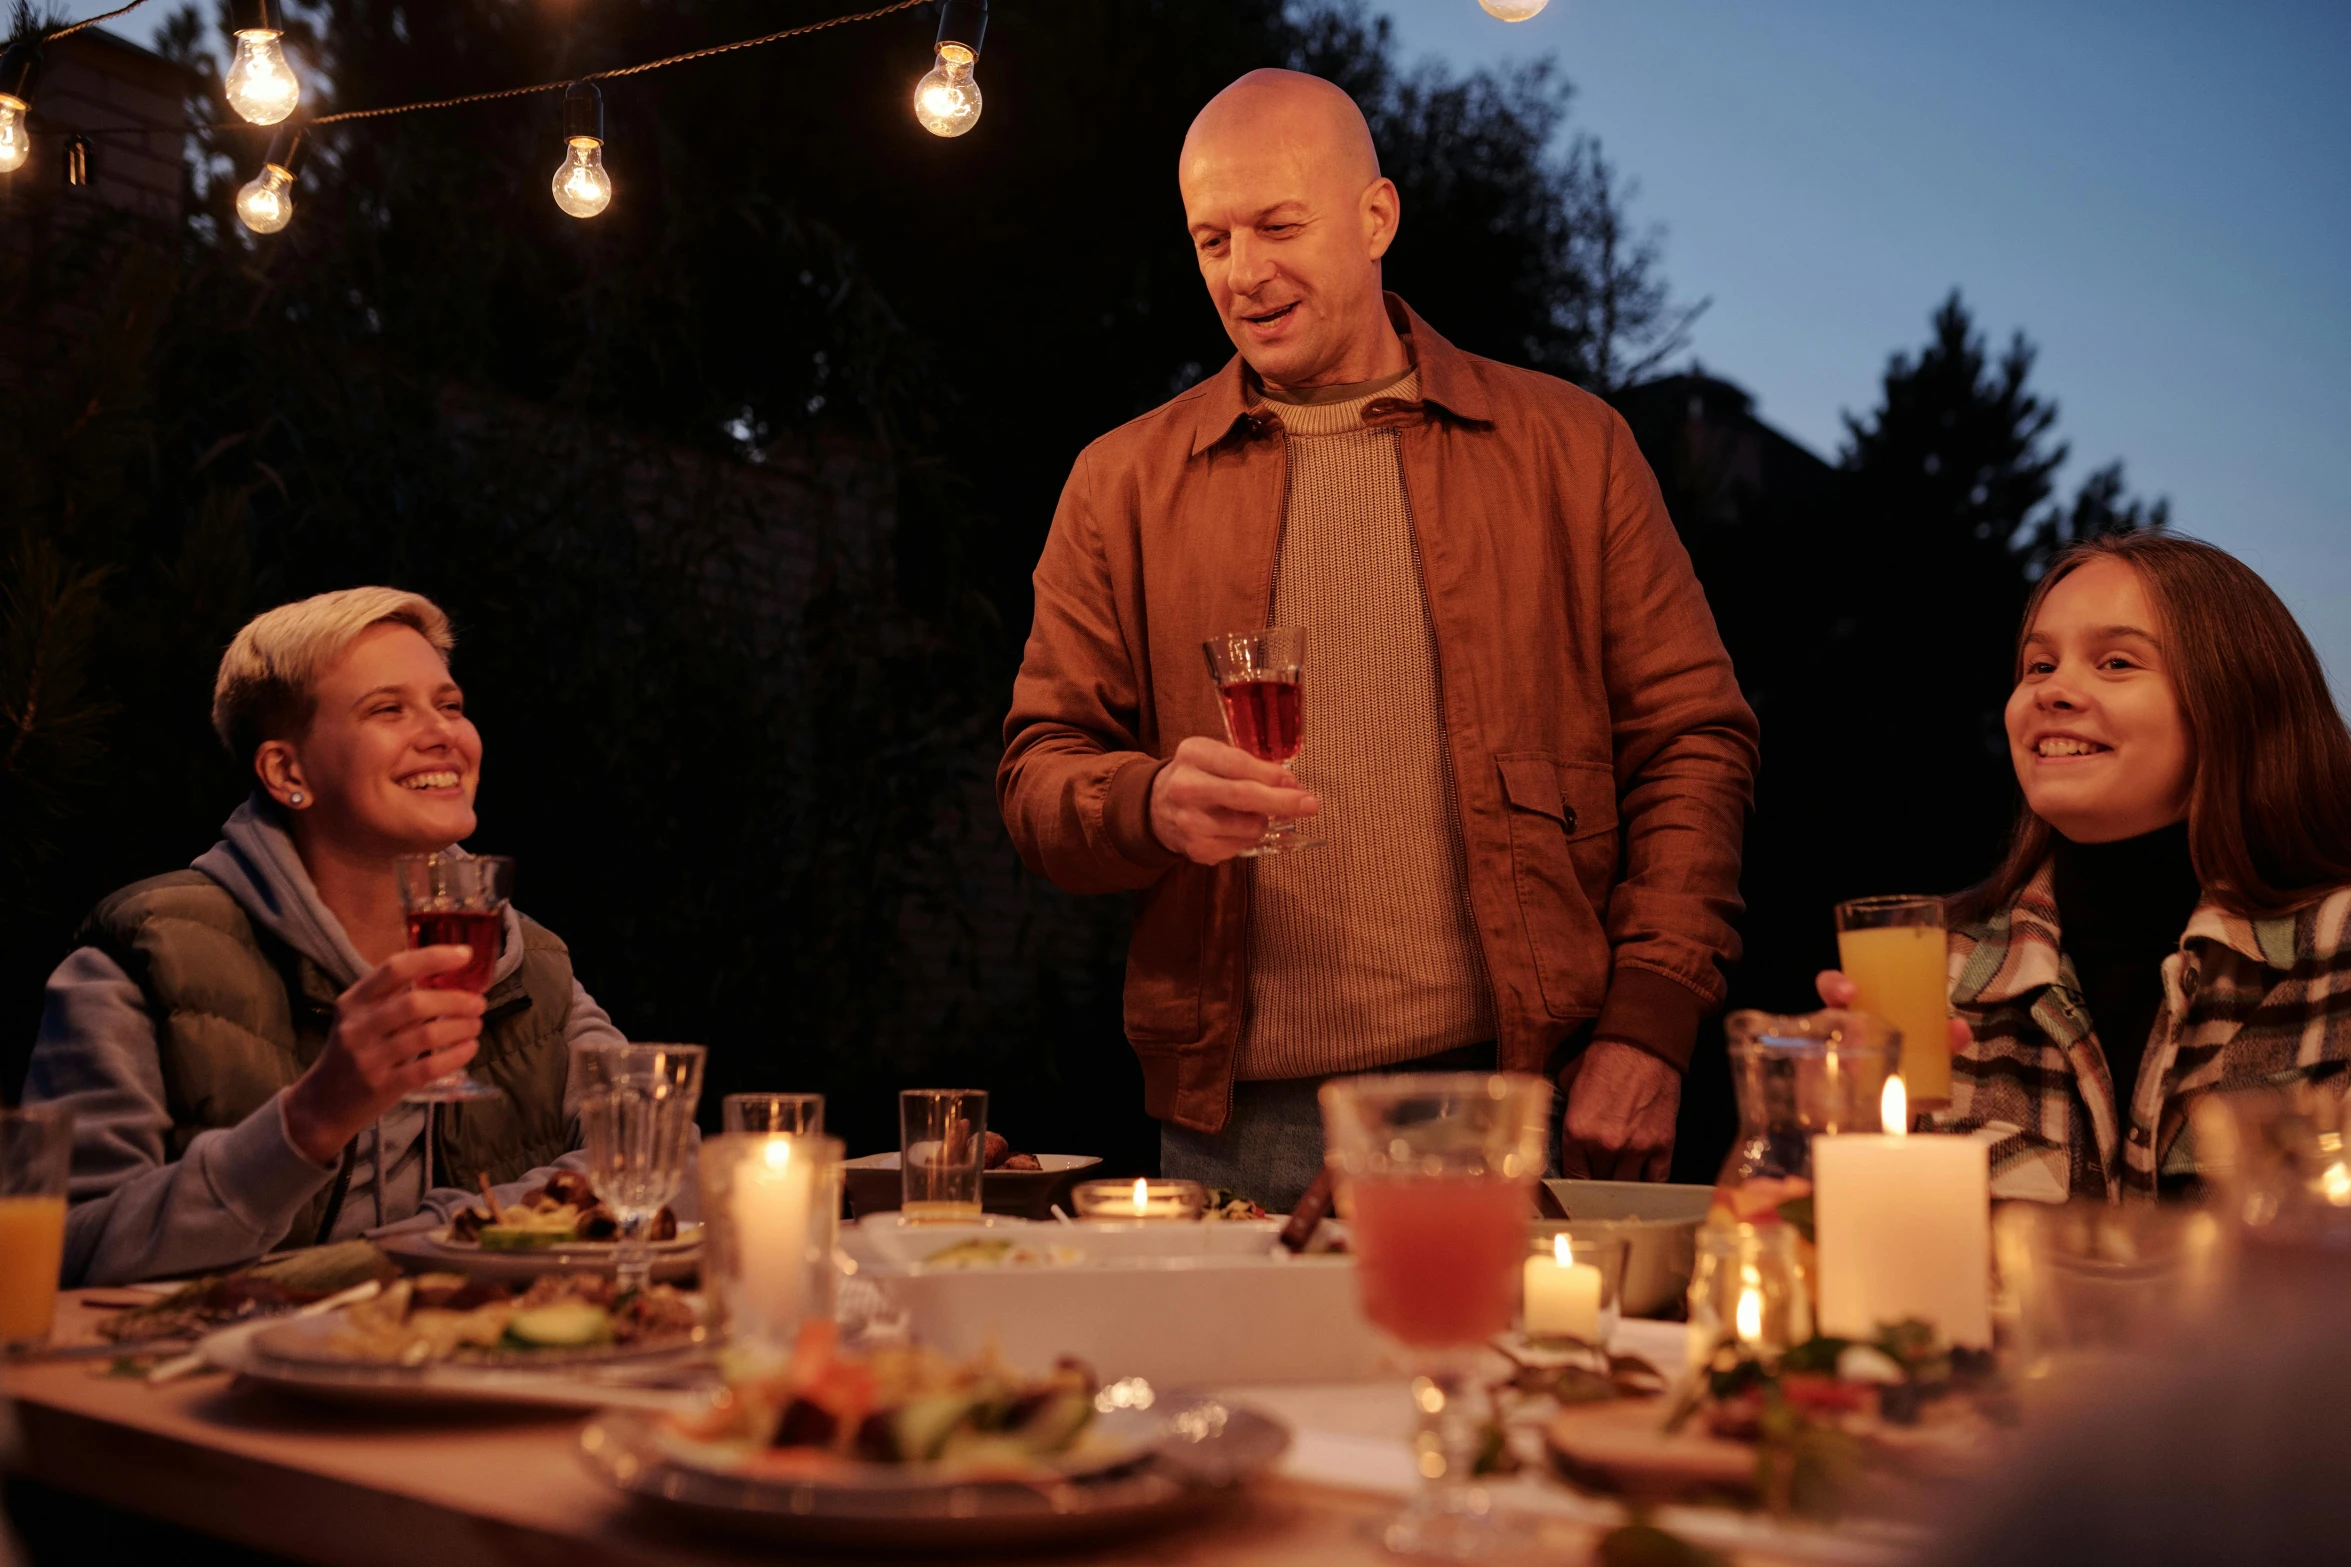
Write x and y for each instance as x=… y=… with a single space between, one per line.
x=1438 y=1257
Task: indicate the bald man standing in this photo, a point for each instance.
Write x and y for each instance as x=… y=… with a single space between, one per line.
x=1527 y=763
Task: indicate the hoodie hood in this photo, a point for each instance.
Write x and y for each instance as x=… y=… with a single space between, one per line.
x=257 y=862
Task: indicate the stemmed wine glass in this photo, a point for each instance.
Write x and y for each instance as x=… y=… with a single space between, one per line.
x=451 y=900
x=1435 y=1174
x=637 y=1119
x=1260 y=684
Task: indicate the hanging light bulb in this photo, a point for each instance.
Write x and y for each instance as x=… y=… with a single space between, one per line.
x=261 y=86
x=265 y=203
x=947 y=101
x=582 y=188
x=1513 y=10
x=17 y=68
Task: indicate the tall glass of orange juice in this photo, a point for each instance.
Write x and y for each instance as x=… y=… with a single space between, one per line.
x=36 y=1147
x=1436 y=1177
x=1893 y=951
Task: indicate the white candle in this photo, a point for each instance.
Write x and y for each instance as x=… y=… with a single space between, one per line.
x=773 y=1202
x=1904 y=1227
x=1562 y=1295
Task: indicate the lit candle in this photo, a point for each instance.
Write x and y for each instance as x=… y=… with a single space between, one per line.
x=774 y=1207
x=1139 y=1199
x=1904 y=1226
x=1562 y=1295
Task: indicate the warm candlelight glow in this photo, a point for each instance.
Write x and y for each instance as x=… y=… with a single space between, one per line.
x=1894 y=1108
x=1142 y=1196
x=1560 y=1251
x=1748 y=1319
x=778 y=1154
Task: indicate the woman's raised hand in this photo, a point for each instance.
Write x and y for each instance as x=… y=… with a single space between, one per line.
x=391 y=1035
x=1837 y=990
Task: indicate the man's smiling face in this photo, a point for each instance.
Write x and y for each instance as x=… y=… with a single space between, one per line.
x=1289 y=218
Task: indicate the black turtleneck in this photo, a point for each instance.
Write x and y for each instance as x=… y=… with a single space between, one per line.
x=2121 y=908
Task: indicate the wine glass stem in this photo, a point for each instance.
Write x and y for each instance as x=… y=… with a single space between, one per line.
x=632 y=1264
x=1445 y=1448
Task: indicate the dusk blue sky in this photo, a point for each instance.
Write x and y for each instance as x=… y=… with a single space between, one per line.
x=2158 y=194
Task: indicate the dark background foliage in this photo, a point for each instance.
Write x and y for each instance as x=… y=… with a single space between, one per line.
x=734 y=492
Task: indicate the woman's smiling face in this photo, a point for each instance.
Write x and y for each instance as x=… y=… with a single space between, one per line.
x=390 y=755
x=2094 y=726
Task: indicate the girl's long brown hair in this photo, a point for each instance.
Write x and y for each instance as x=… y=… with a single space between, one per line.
x=2269 y=812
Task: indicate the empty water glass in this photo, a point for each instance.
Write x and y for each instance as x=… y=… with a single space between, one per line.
x=637 y=1120
x=800 y=1115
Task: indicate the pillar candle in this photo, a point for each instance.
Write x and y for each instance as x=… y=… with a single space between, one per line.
x=774 y=1206
x=1562 y=1295
x=1904 y=1229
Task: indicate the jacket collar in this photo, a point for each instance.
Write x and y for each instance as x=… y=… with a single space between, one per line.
x=1448 y=379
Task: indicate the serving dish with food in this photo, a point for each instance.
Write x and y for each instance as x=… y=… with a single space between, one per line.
x=906 y=1446
x=559 y=1228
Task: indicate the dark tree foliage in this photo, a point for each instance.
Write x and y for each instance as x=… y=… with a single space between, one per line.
x=733 y=492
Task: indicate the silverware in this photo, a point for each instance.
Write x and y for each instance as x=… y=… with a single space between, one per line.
x=194 y=1361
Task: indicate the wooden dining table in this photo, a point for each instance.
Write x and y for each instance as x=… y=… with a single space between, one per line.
x=351 y=1487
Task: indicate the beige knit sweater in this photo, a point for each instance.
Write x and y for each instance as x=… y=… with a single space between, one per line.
x=1361 y=950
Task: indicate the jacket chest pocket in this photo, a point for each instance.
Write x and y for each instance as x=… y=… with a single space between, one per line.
x=1563 y=861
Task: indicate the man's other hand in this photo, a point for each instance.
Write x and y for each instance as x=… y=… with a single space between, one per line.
x=1213 y=800
x=1620 y=1114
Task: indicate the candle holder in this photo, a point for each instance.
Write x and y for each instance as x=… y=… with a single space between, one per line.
x=771 y=1206
x=1749 y=1289
x=1572 y=1286
x=1145 y=1200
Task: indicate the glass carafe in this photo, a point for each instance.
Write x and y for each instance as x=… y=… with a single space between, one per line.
x=1797 y=1077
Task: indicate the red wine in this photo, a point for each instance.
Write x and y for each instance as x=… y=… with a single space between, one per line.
x=483 y=930
x=1267 y=717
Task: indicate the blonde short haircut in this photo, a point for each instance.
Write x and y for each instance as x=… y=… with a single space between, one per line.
x=267 y=687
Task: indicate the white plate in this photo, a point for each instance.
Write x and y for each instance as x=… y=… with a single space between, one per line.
x=425 y=1251
x=293 y=1361
x=1204 y=1450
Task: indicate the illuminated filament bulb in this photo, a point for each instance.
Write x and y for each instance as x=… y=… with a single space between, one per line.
x=581 y=186
x=947 y=101
x=1513 y=10
x=265 y=203
x=17 y=66
x=261 y=86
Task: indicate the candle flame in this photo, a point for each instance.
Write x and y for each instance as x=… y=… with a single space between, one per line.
x=1142 y=1195
x=778 y=1153
x=1561 y=1252
x=1894 y=1108
x=1748 y=1318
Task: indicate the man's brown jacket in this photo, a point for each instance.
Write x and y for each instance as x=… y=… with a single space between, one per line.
x=1602 y=756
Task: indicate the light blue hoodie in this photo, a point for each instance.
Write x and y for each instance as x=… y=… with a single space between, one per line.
x=236 y=1192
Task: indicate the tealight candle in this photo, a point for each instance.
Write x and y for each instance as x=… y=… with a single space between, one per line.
x=1140 y=1199
x=1562 y=1295
x=1904 y=1226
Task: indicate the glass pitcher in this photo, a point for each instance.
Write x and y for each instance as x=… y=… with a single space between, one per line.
x=1797 y=1077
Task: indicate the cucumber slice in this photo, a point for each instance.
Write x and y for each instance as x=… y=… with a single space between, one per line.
x=923 y=1425
x=567 y=1324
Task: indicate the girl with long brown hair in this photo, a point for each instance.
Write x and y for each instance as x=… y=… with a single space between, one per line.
x=2176 y=902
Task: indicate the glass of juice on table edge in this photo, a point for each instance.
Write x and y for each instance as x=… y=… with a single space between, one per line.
x=1435 y=1175
x=36 y=1150
x=1893 y=951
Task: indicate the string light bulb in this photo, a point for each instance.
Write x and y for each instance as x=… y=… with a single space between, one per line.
x=261 y=85
x=582 y=188
x=265 y=203
x=1512 y=10
x=17 y=68
x=947 y=101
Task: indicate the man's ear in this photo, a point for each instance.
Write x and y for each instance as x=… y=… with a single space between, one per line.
x=279 y=767
x=1383 y=214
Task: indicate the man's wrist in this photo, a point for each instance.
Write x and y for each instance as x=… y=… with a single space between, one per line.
x=1126 y=814
x=1653 y=1014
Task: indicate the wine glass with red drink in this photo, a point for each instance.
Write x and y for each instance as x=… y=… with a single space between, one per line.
x=452 y=900
x=1260 y=685
x=1435 y=1175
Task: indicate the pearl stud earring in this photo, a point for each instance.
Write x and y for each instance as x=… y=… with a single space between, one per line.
x=297 y=798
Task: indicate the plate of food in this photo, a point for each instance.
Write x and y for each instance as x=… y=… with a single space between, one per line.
x=559 y=1228
x=267 y=1289
x=566 y=1339
x=1024 y=1185
x=902 y=1446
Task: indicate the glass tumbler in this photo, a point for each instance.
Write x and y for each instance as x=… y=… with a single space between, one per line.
x=637 y=1119
x=36 y=1150
x=800 y=1114
x=1893 y=949
x=942 y=1153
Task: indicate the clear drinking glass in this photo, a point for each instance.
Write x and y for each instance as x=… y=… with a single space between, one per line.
x=771 y=1206
x=1435 y=1175
x=1260 y=685
x=942 y=1153
x=450 y=900
x=1893 y=949
x=637 y=1119
x=36 y=1150
x=1752 y=1288
x=800 y=1114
